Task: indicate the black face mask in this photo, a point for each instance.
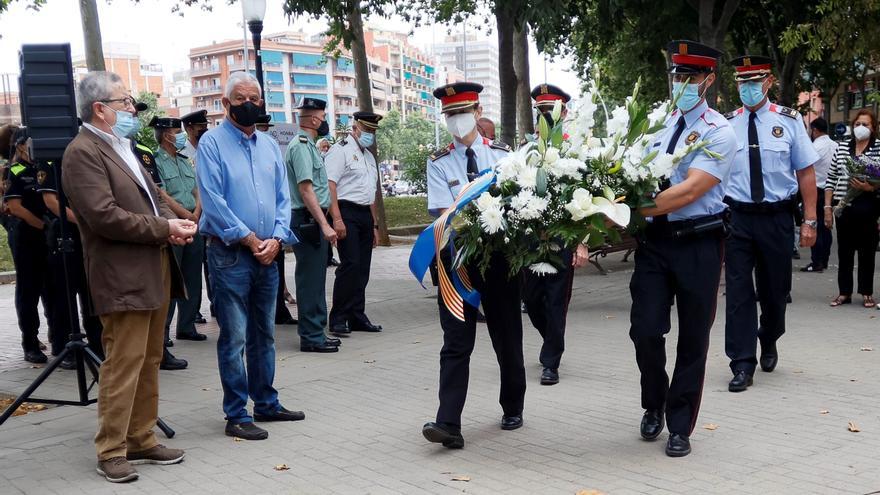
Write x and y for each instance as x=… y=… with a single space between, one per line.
x=245 y=114
x=200 y=134
x=323 y=129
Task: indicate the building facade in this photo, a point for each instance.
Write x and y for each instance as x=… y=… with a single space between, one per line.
x=475 y=60
x=295 y=66
x=124 y=59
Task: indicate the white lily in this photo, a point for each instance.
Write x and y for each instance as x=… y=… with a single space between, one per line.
x=616 y=212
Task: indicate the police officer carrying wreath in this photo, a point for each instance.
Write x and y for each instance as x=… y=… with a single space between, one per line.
x=774 y=160
x=679 y=255
x=546 y=297
x=449 y=170
x=353 y=175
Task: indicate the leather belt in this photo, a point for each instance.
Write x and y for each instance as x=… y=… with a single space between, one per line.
x=786 y=205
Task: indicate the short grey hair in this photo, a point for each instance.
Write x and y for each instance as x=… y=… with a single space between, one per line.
x=237 y=78
x=94 y=87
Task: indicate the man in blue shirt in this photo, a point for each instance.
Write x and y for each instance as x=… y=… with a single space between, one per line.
x=774 y=159
x=245 y=218
x=680 y=253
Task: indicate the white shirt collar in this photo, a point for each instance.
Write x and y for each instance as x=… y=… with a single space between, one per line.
x=106 y=136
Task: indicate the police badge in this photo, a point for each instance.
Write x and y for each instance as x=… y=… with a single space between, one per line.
x=692 y=137
x=778 y=131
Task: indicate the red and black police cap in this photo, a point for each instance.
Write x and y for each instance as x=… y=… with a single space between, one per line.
x=752 y=67
x=458 y=96
x=546 y=96
x=690 y=57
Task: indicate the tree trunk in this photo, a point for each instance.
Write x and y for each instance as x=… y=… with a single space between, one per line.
x=525 y=119
x=88 y=12
x=365 y=104
x=713 y=31
x=506 y=74
x=788 y=77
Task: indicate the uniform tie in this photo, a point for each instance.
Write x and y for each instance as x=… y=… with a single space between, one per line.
x=756 y=177
x=679 y=128
x=472 y=169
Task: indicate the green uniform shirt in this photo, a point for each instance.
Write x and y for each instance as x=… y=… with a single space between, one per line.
x=179 y=178
x=304 y=163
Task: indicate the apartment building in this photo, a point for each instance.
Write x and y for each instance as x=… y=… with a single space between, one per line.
x=475 y=60
x=124 y=59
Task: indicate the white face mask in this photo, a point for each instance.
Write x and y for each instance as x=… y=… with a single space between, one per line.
x=861 y=132
x=461 y=124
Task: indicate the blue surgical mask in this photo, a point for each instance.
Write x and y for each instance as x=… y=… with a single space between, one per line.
x=367 y=139
x=751 y=93
x=127 y=125
x=690 y=95
x=180 y=140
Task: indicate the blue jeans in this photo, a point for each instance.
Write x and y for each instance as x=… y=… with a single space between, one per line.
x=244 y=299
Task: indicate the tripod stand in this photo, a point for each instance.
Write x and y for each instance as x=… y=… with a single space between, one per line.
x=76 y=347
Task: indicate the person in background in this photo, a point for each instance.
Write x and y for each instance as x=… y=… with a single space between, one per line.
x=826 y=148
x=486 y=128
x=125 y=227
x=179 y=179
x=323 y=146
x=857 y=223
x=195 y=124
x=245 y=227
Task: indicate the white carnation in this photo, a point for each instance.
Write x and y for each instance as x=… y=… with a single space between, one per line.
x=527 y=177
x=543 y=269
x=487 y=202
x=662 y=165
x=619 y=121
x=492 y=220
x=551 y=155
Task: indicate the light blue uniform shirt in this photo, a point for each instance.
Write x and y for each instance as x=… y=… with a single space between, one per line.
x=785 y=149
x=701 y=124
x=447 y=170
x=243 y=186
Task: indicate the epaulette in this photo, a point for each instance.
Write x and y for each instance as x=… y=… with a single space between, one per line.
x=343 y=142
x=730 y=115
x=439 y=154
x=788 y=112
x=182 y=156
x=499 y=145
x=303 y=139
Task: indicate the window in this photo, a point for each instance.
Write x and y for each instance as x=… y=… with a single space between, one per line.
x=230 y=59
x=217 y=106
x=271 y=58
x=275 y=98
x=274 y=78
x=215 y=82
x=308 y=60
x=309 y=80
x=278 y=117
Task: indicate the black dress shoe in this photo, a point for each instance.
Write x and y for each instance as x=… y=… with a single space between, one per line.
x=281 y=415
x=511 y=422
x=289 y=320
x=169 y=343
x=200 y=319
x=340 y=329
x=333 y=341
x=35 y=356
x=171 y=363
x=68 y=363
x=769 y=356
x=325 y=347
x=447 y=435
x=678 y=445
x=246 y=431
x=196 y=336
x=740 y=382
x=549 y=377
x=366 y=327
x=652 y=424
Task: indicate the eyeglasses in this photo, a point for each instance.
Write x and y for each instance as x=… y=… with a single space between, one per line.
x=128 y=101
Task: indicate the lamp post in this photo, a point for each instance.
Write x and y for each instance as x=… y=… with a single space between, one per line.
x=254 y=12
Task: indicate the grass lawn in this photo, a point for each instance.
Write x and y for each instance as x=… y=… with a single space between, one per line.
x=5 y=255
x=407 y=210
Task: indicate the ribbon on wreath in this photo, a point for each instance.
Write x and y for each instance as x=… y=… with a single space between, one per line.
x=457 y=289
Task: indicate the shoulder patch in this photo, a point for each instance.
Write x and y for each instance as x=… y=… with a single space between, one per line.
x=17 y=169
x=343 y=142
x=303 y=139
x=788 y=112
x=499 y=145
x=730 y=115
x=439 y=154
x=143 y=148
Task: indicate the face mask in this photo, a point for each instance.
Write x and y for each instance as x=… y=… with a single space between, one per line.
x=751 y=93
x=861 y=132
x=367 y=139
x=126 y=125
x=461 y=124
x=180 y=141
x=199 y=134
x=245 y=114
x=690 y=95
x=323 y=129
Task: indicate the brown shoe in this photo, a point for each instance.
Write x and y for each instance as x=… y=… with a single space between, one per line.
x=117 y=470
x=159 y=454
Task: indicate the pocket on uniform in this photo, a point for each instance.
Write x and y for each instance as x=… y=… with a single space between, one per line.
x=223 y=256
x=776 y=156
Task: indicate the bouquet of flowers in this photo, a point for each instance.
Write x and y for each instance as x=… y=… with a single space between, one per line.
x=559 y=190
x=861 y=168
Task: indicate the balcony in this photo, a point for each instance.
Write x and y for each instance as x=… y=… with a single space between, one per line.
x=204 y=71
x=275 y=104
x=345 y=90
x=207 y=91
x=274 y=84
x=308 y=89
x=309 y=68
x=345 y=109
x=236 y=66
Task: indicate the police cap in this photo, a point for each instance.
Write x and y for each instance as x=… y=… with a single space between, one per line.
x=309 y=103
x=690 y=57
x=369 y=120
x=457 y=96
x=546 y=96
x=197 y=117
x=752 y=67
x=164 y=123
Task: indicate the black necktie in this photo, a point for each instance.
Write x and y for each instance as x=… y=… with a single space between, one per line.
x=756 y=177
x=472 y=170
x=679 y=128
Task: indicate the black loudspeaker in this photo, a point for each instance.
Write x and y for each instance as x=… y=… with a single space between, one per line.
x=48 y=100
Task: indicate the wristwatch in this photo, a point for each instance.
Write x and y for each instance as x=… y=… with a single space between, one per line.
x=813 y=224
x=280 y=242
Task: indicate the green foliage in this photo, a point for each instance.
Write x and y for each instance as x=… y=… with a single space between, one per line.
x=407 y=210
x=410 y=143
x=5 y=254
x=146 y=135
x=337 y=13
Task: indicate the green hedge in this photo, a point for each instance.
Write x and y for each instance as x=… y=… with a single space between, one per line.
x=407 y=210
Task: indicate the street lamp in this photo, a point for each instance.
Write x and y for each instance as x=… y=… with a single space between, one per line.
x=254 y=12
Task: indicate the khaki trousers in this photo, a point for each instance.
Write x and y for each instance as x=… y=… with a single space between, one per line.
x=128 y=389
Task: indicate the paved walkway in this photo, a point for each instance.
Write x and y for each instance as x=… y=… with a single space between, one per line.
x=366 y=404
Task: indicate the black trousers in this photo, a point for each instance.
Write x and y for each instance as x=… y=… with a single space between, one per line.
x=281 y=311
x=547 y=298
x=353 y=272
x=687 y=272
x=58 y=292
x=857 y=234
x=32 y=279
x=760 y=244
x=207 y=275
x=821 y=251
x=500 y=301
